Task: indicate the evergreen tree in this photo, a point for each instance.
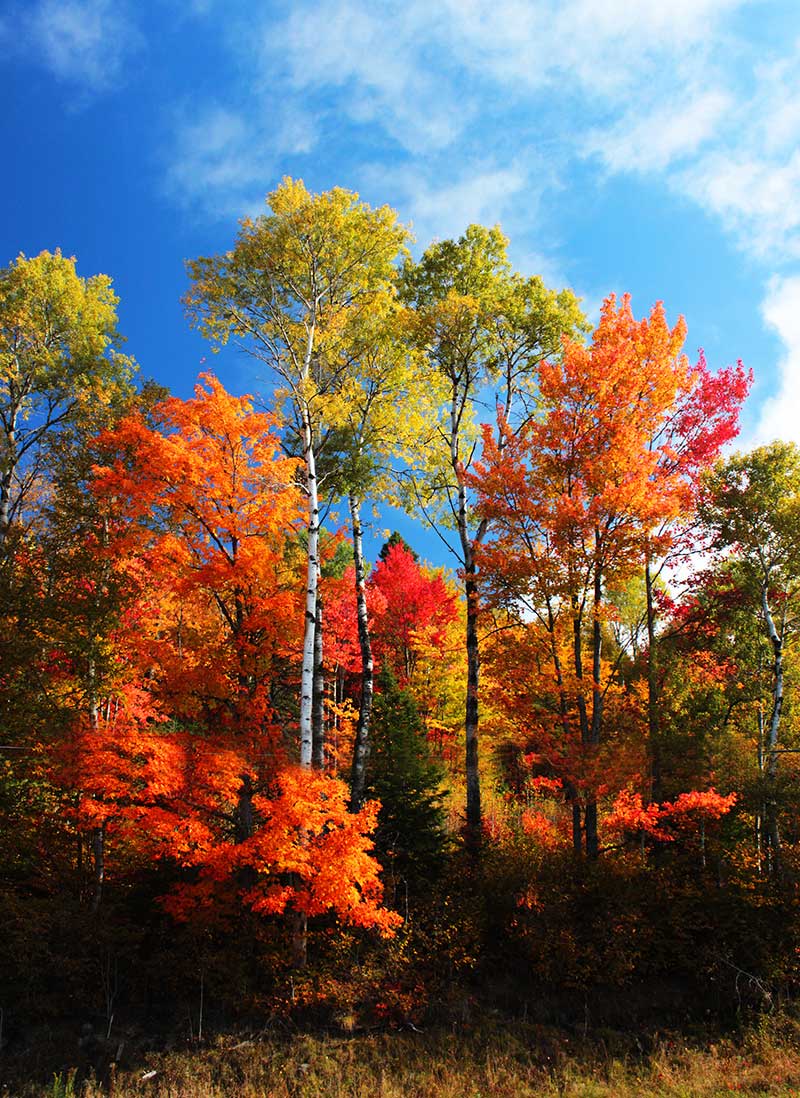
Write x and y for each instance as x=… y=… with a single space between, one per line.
x=396 y=539
x=403 y=775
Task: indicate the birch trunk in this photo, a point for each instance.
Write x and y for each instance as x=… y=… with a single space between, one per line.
x=776 y=640
x=98 y=840
x=7 y=478
x=318 y=701
x=653 y=723
x=362 y=744
x=5 y=504
x=307 y=673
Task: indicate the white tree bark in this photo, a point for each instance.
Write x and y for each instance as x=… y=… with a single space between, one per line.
x=307 y=674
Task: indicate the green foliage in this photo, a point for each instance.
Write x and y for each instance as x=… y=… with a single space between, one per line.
x=61 y=370
x=752 y=505
x=402 y=774
x=63 y=1085
x=396 y=539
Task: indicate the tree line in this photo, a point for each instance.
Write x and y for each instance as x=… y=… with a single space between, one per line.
x=217 y=713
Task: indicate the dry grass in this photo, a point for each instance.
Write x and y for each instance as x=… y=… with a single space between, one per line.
x=502 y=1062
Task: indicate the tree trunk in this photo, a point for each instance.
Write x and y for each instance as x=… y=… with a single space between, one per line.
x=761 y=813
x=318 y=701
x=473 y=831
x=471 y=716
x=577 y=659
x=245 y=816
x=772 y=827
x=361 y=745
x=7 y=479
x=653 y=722
x=595 y=728
x=5 y=505
x=569 y=789
x=99 y=857
x=597 y=647
x=590 y=827
x=299 y=922
x=307 y=673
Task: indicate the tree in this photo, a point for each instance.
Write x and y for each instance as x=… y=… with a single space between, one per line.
x=751 y=508
x=60 y=367
x=702 y=419
x=389 y=408
x=189 y=763
x=407 y=782
x=574 y=497
x=396 y=539
x=478 y=326
x=293 y=292
x=415 y=610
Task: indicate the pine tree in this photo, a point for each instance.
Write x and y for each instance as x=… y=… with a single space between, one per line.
x=407 y=780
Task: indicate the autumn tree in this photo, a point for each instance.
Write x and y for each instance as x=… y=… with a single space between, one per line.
x=60 y=368
x=415 y=609
x=751 y=507
x=62 y=378
x=390 y=405
x=574 y=497
x=480 y=328
x=702 y=418
x=293 y=292
x=191 y=763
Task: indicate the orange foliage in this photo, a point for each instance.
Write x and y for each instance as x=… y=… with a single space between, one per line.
x=190 y=760
x=629 y=815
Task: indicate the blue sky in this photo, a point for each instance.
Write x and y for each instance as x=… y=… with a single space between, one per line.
x=638 y=145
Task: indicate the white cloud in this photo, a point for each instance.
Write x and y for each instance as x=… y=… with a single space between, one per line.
x=376 y=53
x=780 y=414
x=727 y=140
x=420 y=70
x=669 y=90
x=755 y=197
x=225 y=161
x=481 y=193
x=603 y=47
x=653 y=141
x=217 y=160
x=84 y=42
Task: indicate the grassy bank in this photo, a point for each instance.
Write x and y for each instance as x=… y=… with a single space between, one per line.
x=507 y=1061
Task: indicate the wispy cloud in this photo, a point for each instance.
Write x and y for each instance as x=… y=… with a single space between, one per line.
x=749 y=177
x=654 y=141
x=754 y=196
x=430 y=77
x=670 y=91
x=602 y=49
x=381 y=56
x=725 y=138
x=82 y=42
x=223 y=161
x=480 y=192
x=778 y=418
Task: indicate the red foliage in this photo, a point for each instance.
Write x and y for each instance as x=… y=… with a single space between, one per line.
x=417 y=607
x=629 y=815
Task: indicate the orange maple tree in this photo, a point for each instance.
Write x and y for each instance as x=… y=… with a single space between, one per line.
x=578 y=498
x=194 y=760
